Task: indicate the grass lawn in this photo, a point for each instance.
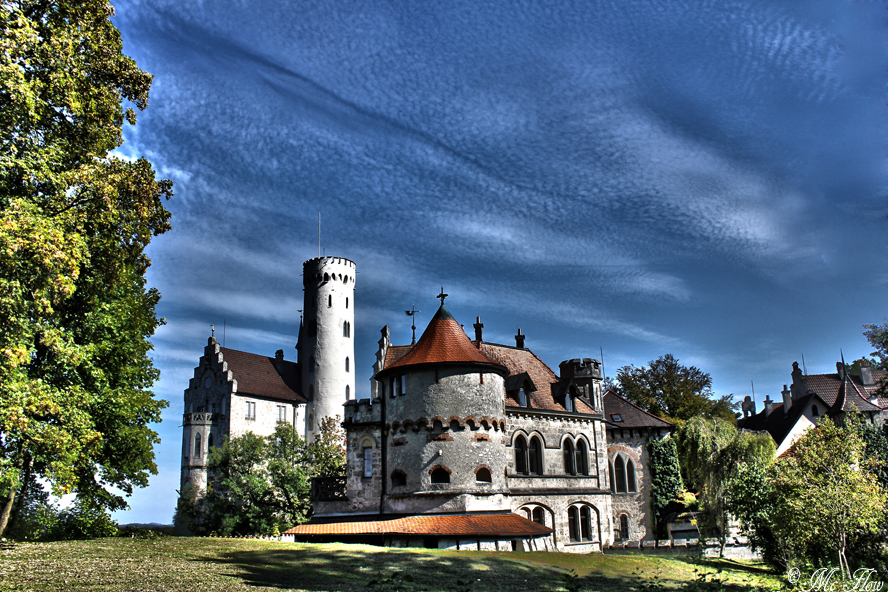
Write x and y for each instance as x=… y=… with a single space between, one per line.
x=192 y=564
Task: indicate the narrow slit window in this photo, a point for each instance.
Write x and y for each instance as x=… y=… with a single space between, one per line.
x=368 y=462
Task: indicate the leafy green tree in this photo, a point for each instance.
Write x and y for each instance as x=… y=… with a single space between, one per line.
x=710 y=452
x=666 y=483
x=825 y=493
x=262 y=485
x=673 y=391
x=877 y=335
x=75 y=314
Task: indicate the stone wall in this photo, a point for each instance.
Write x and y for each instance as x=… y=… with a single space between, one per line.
x=635 y=505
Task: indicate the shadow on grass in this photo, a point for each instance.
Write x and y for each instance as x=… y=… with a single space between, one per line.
x=353 y=568
x=327 y=568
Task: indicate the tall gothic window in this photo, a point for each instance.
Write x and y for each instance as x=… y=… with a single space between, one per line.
x=535 y=457
x=521 y=455
x=619 y=474
x=197 y=450
x=568 y=449
x=582 y=458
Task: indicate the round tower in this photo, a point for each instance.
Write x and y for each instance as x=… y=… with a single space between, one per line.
x=327 y=351
x=444 y=416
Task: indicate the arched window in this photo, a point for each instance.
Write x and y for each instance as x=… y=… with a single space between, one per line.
x=573 y=526
x=814 y=411
x=624 y=527
x=630 y=476
x=568 y=449
x=528 y=514
x=482 y=475
x=347 y=392
x=440 y=475
x=535 y=457
x=399 y=478
x=612 y=481
x=582 y=458
x=329 y=300
x=568 y=401
x=539 y=516
x=619 y=474
x=368 y=461
x=197 y=451
x=346 y=364
x=586 y=523
x=521 y=455
x=522 y=397
x=326 y=277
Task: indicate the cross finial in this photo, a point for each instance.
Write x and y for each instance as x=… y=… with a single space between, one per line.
x=442 y=295
x=212 y=330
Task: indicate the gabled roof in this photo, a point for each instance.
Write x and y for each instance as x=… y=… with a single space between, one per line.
x=444 y=342
x=630 y=414
x=850 y=396
x=443 y=525
x=520 y=362
x=262 y=376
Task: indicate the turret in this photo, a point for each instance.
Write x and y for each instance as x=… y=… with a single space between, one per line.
x=327 y=350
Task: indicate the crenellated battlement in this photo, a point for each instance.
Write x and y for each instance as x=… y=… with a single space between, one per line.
x=363 y=411
x=324 y=269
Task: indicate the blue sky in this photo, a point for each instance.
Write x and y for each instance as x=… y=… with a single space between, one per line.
x=706 y=179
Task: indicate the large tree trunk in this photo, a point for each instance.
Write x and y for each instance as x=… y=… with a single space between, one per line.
x=22 y=496
x=7 y=509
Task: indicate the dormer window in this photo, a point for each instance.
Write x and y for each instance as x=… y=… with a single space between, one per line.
x=522 y=397
x=814 y=411
x=615 y=417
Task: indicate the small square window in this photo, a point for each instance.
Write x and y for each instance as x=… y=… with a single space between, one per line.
x=616 y=417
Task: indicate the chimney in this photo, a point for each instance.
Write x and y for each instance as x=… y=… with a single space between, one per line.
x=840 y=368
x=768 y=403
x=866 y=373
x=748 y=406
x=279 y=355
x=479 y=326
x=519 y=340
x=787 y=398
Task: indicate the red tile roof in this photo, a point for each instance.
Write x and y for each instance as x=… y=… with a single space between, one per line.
x=262 y=376
x=632 y=415
x=443 y=341
x=443 y=525
x=829 y=387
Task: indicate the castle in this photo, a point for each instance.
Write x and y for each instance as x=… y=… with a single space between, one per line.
x=463 y=443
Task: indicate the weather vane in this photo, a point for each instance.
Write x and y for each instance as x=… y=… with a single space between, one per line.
x=442 y=295
x=412 y=314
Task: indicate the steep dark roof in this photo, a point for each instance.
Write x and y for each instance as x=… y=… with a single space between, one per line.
x=446 y=525
x=778 y=423
x=631 y=415
x=444 y=342
x=262 y=376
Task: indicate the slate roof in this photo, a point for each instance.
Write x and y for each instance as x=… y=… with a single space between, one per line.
x=631 y=415
x=443 y=342
x=446 y=525
x=779 y=423
x=262 y=376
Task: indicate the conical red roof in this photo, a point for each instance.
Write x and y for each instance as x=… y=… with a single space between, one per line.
x=444 y=342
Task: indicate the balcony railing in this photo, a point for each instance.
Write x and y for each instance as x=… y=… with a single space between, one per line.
x=328 y=489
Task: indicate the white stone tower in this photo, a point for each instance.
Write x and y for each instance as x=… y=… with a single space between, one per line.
x=327 y=347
